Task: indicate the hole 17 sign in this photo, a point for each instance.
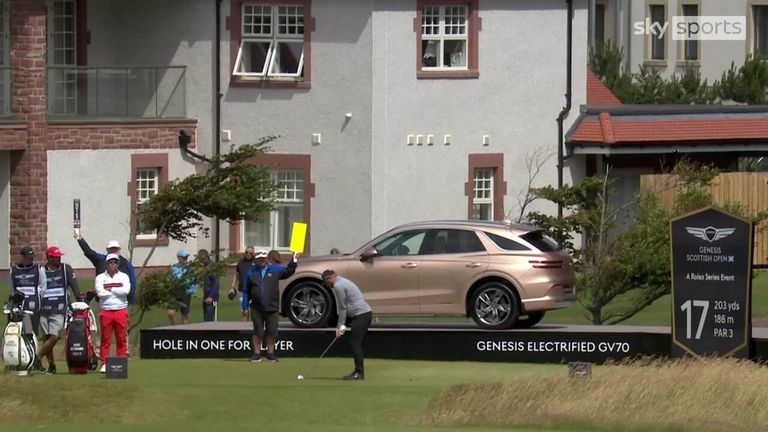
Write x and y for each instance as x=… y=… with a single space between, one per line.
x=711 y=284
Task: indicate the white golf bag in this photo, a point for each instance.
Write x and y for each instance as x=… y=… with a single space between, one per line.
x=19 y=349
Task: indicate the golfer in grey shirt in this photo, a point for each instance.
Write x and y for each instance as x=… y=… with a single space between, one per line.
x=353 y=312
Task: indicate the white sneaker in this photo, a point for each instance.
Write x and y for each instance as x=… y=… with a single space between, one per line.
x=103 y=369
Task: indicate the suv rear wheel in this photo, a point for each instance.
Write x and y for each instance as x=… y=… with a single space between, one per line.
x=530 y=320
x=308 y=305
x=494 y=306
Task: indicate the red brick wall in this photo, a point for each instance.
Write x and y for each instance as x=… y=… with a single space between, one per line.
x=29 y=195
x=29 y=135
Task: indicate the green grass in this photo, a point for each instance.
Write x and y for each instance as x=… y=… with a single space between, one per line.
x=222 y=395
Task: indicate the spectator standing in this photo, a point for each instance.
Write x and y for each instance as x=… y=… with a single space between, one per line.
x=54 y=303
x=261 y=291
x=180 y=271
x=245 y=264
x=210 y=287
x=112 y=287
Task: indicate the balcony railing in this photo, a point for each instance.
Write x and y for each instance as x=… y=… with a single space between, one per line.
x=116 y=92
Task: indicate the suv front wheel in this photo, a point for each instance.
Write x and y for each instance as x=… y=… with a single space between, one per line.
x=309 y=305
x=494 y=306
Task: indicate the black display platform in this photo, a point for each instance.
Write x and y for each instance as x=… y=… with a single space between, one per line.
x=458 y=342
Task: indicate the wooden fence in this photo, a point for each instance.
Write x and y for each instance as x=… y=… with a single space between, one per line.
x=748 y=189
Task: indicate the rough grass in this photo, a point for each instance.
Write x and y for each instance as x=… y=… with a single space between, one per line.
x=685 y=395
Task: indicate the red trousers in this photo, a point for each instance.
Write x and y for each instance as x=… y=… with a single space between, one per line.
x=113 y=321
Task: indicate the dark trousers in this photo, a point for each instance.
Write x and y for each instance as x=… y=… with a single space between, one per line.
x=356 y=336
x=209 y=311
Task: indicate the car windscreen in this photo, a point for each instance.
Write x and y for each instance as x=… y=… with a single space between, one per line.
x=541 y=241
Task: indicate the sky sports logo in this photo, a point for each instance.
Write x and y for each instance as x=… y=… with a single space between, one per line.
x=705 y=28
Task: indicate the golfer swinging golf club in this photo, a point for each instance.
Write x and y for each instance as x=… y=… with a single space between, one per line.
x=353 y=312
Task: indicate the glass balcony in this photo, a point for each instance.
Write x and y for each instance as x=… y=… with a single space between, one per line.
x=130 y=92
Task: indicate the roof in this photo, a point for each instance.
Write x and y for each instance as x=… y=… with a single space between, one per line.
x=661 y=126
x=598 y=93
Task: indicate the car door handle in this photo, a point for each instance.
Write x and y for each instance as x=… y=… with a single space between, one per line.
x=409 y=266
x=473 y=265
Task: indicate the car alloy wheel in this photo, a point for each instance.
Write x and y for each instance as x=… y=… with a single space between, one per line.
x=308 y=305
x=494 y=306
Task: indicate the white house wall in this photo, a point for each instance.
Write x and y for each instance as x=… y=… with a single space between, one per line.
x=341 y=84
x=99 y=178
x=522 y=60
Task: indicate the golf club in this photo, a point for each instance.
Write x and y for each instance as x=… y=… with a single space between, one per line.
x=342 y=329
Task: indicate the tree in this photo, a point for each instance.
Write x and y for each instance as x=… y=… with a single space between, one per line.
x=535 y=160
x=231 y=189
x=622 y=267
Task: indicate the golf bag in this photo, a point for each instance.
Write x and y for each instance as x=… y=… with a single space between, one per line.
x=19 y=349
x=81 y=356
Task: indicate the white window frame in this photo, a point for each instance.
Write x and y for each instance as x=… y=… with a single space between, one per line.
x=274 y=35
x=442 y=36
x=290 y=193
x=650 y=38
x=483 y=188
x=63 y=79
x=684 y=43
x=753 y=28
x=147 y=186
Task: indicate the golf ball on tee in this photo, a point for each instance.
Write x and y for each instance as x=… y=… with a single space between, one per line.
x=300 y=377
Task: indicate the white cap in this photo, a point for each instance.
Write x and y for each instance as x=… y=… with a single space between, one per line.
x=261 y=253
x=112 y=257
x=113 y=244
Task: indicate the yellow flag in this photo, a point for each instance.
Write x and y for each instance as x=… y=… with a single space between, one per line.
x=298 y=236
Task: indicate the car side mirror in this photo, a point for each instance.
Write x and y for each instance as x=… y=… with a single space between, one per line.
x=368 y=254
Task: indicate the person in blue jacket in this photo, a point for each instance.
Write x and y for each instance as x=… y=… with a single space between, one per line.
x=210 y=287
x=182 y=300
x=261 y=293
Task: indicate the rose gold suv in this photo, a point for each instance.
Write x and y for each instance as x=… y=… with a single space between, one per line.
x=502 y=275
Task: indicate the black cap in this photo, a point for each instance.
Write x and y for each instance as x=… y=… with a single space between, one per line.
x=27 y=251
x=328 y=273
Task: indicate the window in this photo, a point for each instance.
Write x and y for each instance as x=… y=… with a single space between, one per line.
x=62 y=51
x=444 y=37
x=451 y=241
x=407 y=243
x=505 y=243
x=147 y=181
x=541 y=241
x=274 y=230
x=658 y=18
x=482 y=203
x=447 y=33
x=149 y=174
x=690 y=46
x=5 y=62
x=760 y=32
x=599 y=24
x=485 y=187
x=271 y=43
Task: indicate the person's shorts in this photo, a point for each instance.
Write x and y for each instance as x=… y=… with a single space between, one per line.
x=52 y=324
x=181 y=303
x=264 y=323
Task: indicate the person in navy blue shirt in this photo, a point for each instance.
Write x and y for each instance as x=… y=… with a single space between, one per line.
x=210 y=287
x=261 y=293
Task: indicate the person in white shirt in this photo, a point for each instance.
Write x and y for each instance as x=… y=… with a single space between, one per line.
x=113 y=287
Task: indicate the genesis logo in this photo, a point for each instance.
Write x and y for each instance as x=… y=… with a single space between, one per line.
x=710 y=234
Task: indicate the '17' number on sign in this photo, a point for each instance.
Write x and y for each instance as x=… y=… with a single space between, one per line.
x=686 y=307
